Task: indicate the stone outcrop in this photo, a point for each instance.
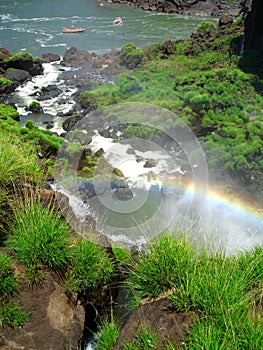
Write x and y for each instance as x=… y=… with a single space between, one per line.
x=155 y=316
x=50 y=57
x=55 y=320
x=18 y=69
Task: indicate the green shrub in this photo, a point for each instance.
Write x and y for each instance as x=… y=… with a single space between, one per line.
x=90 y=267
x=34 y=104
x=7 y=111
x=130 y=56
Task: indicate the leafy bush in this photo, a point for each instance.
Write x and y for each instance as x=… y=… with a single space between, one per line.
x=34 y=104
x=19 y=55
x=130 y=56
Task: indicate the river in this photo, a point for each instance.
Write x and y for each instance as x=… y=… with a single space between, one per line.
x=36 y=26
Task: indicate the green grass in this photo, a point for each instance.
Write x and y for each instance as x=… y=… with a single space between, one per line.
x=161 y=268
x=90 y=267
x=11 y=313
x=145 y=340
x=107 y=334
x=8 y=282
x=18 y=161
x=30 y=134
x=224 y=292
x=39 y=237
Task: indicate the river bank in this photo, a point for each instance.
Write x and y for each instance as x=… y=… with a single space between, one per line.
x=192 y=7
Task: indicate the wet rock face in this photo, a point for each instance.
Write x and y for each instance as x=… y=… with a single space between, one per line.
x=253 y=24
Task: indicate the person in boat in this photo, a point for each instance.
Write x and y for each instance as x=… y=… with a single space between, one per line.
x=118 y=21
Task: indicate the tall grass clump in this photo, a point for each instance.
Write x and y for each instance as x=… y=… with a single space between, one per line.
x=161 y=268
x=39 y=237
x=8 y=282
x=107 y=334
x=224 y=292
x=10 y=313
x=90 y=267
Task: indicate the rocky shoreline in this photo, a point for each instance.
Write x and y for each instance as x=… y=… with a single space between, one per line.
x=190 y=7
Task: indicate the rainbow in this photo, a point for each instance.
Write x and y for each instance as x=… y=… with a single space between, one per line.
x=231 y=218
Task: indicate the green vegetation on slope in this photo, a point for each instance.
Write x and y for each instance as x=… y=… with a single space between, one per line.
x=200 y=81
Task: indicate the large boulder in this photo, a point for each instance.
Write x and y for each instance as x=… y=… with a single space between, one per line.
x=76 y=58
x=23 y=62
x=50 y=57
x=18 y=75
x=55 y=320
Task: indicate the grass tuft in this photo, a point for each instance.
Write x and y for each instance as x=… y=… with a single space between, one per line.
x=39 y=237
x=90 y=267
x=107 y=334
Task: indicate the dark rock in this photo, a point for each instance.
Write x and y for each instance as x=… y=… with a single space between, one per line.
x=22 y=62
x=7 y=88
x=253 y=25
x=50 y=57
x=69 y=123
x=99 y=152
x=150 y=163
x=35 y=108
x=48 y=92
x=37 y=68
x=75 y=58
x=49 y=124
x=4 y=54
x=18 y=75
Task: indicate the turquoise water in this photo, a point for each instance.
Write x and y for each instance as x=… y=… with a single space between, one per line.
x=36 y=26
